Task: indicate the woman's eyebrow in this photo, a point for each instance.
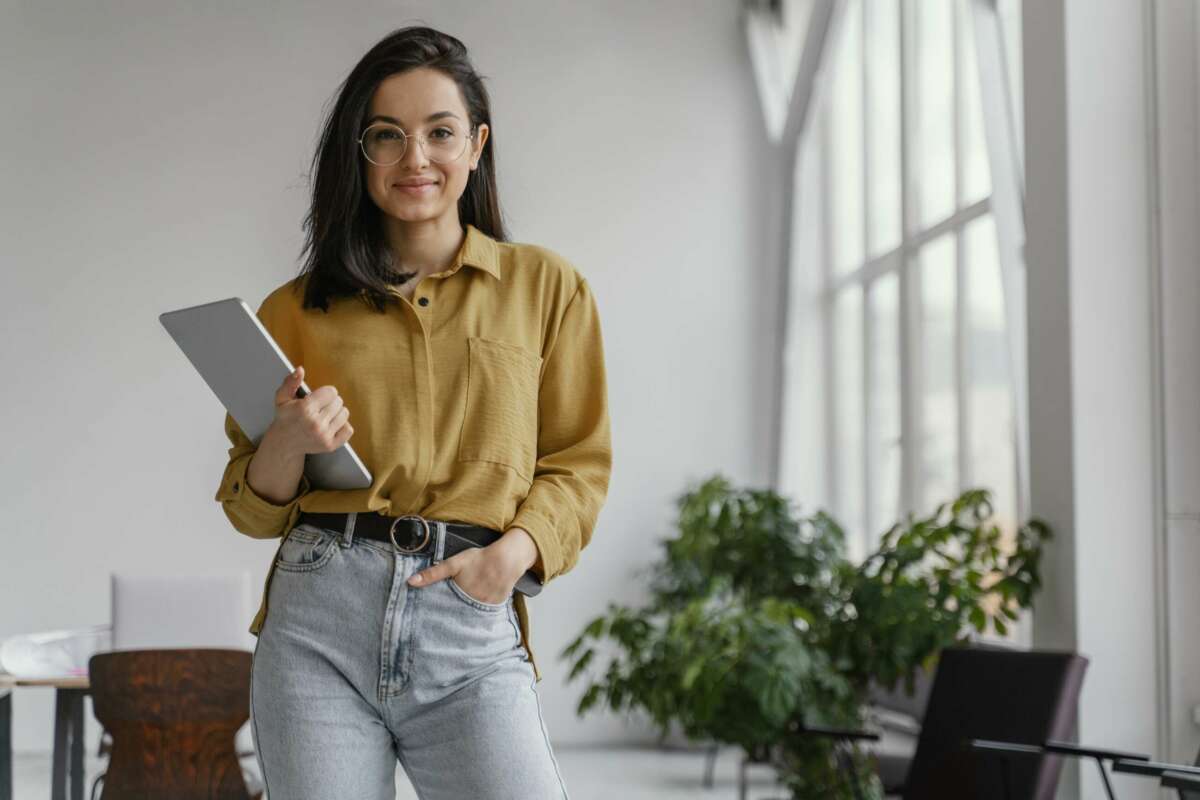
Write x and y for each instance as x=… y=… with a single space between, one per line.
x=395 y=121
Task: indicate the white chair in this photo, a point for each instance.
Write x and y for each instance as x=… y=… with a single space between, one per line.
x=181 y=610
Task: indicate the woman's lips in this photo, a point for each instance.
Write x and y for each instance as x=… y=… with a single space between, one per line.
x=425 y=188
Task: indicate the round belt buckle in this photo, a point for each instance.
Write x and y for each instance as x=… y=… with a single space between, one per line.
x=392 y=533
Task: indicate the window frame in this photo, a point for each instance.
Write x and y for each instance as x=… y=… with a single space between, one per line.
x=981 y=20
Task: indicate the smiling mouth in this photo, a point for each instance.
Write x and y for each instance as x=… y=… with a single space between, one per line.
x=417 y=191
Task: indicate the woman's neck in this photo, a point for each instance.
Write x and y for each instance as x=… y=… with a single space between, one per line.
x=424 y=247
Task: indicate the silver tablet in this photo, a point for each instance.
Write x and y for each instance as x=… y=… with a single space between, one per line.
x=240 y=361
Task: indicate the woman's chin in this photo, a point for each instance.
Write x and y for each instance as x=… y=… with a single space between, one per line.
x=413 y=212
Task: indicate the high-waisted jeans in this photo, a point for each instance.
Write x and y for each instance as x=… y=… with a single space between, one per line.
x=354 y=669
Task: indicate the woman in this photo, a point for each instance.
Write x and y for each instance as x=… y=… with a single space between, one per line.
x=475 y=372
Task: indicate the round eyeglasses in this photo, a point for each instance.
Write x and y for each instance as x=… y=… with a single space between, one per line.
x=384 y=144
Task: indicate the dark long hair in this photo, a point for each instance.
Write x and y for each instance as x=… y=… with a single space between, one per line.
x=345 y=250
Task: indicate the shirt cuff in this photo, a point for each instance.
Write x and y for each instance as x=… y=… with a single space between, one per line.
x=549 y=561
x=250 y=512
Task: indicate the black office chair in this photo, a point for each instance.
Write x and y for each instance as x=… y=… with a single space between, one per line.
x=1024 y=696
x=1188 y=786
x=1011 y=751
x=1027 y=697
x=1183 y=778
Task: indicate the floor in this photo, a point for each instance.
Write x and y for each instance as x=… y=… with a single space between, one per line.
x=591 y=773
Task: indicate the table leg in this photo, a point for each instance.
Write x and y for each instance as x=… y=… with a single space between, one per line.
x=58 y=772
x=67 y=772
x=6 y=765
x=76 y=703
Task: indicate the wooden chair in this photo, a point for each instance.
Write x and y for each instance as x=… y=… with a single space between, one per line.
x=173 y=715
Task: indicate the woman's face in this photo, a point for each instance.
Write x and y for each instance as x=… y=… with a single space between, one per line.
x=410 y=98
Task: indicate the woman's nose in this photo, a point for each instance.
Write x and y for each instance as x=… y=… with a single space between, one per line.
x=414 y=152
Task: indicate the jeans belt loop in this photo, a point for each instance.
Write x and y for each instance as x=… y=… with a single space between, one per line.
x=439 y=547
x=348 y=536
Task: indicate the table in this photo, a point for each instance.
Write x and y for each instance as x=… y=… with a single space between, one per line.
x=69 y=692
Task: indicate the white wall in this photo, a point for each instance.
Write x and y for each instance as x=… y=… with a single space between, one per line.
x=154 y=157
x=1112 y=169
x=1178 y=139
x=1112 y=366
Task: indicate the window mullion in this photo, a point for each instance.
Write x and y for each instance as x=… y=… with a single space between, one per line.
x=869 y=425
x=878 y=265
x=960 y=283
x=909 y=385
x=832 y=458
x=962 y=366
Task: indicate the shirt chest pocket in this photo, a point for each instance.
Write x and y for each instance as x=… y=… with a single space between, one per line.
x=500 y=423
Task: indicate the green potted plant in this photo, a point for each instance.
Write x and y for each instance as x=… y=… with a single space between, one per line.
x=758 y=625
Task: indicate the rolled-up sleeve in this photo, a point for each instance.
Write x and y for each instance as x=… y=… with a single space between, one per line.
x=249 y=512
x=574 y=448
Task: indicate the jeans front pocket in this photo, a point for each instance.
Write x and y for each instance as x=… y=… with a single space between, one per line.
x=500 y=420
x=457 y=638
x=461 y=594
x=306 y=548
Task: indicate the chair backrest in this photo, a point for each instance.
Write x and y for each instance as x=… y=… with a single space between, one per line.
x=181 y=610
x=172 y=715
x=1008 y=695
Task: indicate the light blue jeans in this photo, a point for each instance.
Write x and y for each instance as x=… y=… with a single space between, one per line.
x=354 y=669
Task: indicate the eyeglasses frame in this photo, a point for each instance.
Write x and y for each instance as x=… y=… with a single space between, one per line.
x=421 y=141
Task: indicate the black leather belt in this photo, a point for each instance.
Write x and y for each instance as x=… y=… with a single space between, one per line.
x=412 y=534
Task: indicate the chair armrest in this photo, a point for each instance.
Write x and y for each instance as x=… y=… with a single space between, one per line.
x=1153 y=768
x=839 y=733
x=1004 y=747
x=1057 y=748
x=1172 y=779
x=1072 y=749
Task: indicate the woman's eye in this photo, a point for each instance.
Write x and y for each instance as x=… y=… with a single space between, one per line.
x=446 y=131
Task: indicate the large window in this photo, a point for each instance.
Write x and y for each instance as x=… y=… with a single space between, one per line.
x=897 y=271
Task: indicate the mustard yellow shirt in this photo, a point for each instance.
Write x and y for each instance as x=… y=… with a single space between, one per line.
x=481 y=400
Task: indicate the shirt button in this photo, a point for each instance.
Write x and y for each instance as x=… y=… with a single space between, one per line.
x=424 y=301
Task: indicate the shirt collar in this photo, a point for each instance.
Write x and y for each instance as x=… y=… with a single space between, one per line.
x=478 y=250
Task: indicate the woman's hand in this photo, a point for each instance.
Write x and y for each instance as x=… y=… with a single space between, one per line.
x=487 y=573
x=315 y=423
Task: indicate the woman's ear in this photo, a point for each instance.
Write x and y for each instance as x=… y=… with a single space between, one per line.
x=481 y=134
